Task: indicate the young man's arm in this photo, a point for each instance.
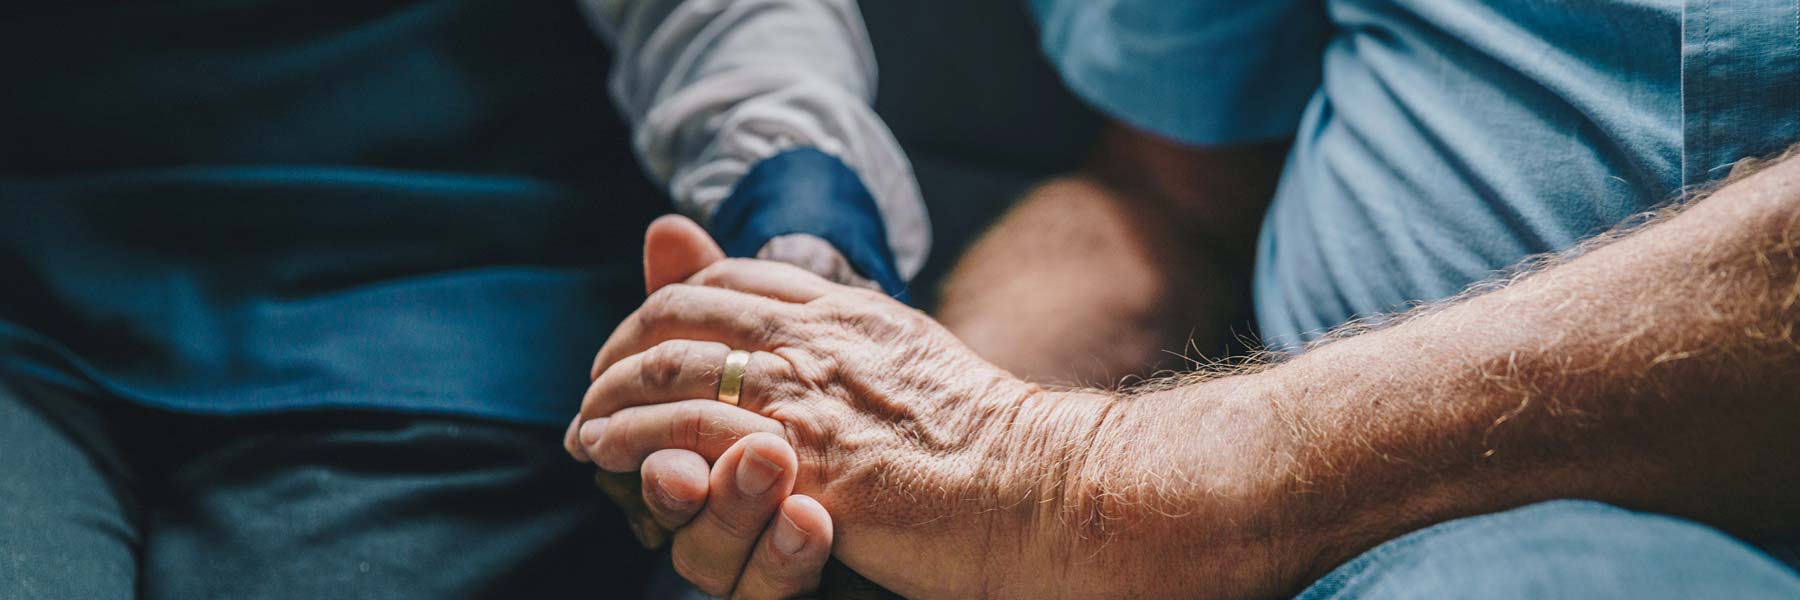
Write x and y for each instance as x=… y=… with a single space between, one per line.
x=1111 y=270
x=757 y=116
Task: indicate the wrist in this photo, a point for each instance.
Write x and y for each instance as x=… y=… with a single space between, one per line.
x=1032 y=448
x=1190 y=486
x=806 y=191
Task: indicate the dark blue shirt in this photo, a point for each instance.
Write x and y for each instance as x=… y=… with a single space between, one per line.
x=282 y=204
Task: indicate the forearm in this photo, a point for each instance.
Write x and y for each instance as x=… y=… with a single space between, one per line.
x=1655 y=371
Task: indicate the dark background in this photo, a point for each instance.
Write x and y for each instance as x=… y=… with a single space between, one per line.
x=981 y=114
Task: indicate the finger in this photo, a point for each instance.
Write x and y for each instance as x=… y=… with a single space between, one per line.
x=768 y=278
x=572 y=438
x=696 y=312
x=788 y=561
x=675 y=483
x=626 y=490
x=806 y=251
x=680 y=370
x=780 y=274
x=675 y=247
x=621 y=442
x=748 y=484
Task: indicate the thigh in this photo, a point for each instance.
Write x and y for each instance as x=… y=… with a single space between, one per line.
x=1562 y=549
x=66 y=517
x=370 y=506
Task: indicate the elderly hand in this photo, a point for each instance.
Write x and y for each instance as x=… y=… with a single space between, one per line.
x=946 y=476
x=930 y=457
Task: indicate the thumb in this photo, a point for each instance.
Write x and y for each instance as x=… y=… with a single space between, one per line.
x=675 y=248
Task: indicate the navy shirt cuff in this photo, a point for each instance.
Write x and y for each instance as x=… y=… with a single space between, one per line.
x=811 y=192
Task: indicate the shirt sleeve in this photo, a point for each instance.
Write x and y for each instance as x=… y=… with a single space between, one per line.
x=714 y=87
x=1202 y=72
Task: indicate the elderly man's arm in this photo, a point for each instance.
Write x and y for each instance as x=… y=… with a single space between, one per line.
x=1110 y=271
x=1653 y=369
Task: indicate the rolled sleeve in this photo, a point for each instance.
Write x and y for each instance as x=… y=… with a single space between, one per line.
x=715 y=87
x=1202 y=72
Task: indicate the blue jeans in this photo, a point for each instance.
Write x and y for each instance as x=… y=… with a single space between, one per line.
x=1561 y=549
x=104 y=500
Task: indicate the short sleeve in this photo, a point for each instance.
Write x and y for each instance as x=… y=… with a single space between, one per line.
x=1203 y=72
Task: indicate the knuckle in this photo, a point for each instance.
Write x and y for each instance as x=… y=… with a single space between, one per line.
x=688 y=428
x=764 y=326
x=784 y=372
x=662 y=305
x=612 y=450
x=662 y=365
x=806 y=370
x=654 y=303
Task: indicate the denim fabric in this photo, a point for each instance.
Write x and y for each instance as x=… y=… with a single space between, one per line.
x=101 y=500
x=804 y=190
x=1441 y=139
x=423 y=206
x=1562 y=549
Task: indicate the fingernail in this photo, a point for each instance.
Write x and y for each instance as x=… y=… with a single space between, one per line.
x=572 y=435
x=669 y=500
x=790 y=539
x=756 y=474
x=591 y=430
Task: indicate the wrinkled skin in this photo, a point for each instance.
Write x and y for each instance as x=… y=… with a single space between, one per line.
x=944 y=476
x=906 y=453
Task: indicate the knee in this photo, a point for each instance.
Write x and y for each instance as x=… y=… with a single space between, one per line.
x=1562 y=549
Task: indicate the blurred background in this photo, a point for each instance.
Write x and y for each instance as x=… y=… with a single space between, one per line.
x=979 y=111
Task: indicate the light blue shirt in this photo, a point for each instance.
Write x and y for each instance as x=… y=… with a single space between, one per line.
x=1437 y=141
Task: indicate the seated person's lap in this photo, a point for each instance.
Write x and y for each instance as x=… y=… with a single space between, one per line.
x=107 y=500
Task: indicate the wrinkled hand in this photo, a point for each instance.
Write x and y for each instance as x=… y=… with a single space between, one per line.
x=675 y=248
x=934 y=463
x=673 y=484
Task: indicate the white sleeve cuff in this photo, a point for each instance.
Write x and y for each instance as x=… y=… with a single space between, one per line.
x=711 y=87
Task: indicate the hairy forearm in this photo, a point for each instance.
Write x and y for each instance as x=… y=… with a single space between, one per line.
x=1655 y=370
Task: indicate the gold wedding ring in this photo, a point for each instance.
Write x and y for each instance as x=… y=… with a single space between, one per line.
x=731 y=381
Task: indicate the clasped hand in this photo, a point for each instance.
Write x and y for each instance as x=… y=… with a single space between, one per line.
x=944 y=475
x=850 y=400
